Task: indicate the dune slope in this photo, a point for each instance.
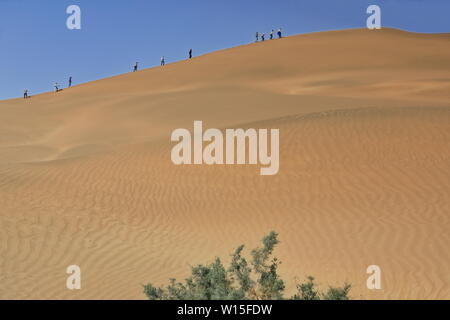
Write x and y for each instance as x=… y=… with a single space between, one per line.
x=364 y=118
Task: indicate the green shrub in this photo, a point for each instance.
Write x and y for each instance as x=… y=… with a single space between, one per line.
x=241 y=281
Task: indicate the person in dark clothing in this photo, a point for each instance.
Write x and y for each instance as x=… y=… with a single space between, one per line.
x=279 y=34
x=271 y=34
x=263 y=37
x=56 y=85
x=163 y=61
x=70 y=82
x=136 y=67
x=257 y=36
x=190 y=54
x=25 y=94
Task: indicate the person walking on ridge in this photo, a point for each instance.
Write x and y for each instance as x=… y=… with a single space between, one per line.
x=271 y=34
x=279 y=34
x=163 y=61
x=190 y=53
x=136 y=67
x=257 y=36
x=263 y=37
x=25 y=94
x=56 y=85
x=70 y=82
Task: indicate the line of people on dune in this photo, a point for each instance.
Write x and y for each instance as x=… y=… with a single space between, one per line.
x=163 y=61
x=56 y=86
x=271 y=34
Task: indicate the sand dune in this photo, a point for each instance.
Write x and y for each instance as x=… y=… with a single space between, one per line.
x=364 y=118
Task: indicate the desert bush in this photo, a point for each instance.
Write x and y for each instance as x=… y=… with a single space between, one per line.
x=257 y=280
x=309 y=291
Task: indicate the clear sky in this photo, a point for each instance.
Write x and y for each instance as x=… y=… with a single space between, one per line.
x=37 y=49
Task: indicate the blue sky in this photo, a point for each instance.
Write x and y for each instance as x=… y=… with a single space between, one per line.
x=37 y=49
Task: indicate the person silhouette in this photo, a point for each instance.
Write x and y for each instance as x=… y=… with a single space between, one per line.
x=263 y=37
x=136 y=67
x=190 y=53
x=56 y=85
x=163 y=61
x=70 y=82
x=271 y=34
x=257 y=36
x=279 y=34
x=25 y=94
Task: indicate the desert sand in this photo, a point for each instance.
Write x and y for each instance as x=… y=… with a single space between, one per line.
x=364 y=116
